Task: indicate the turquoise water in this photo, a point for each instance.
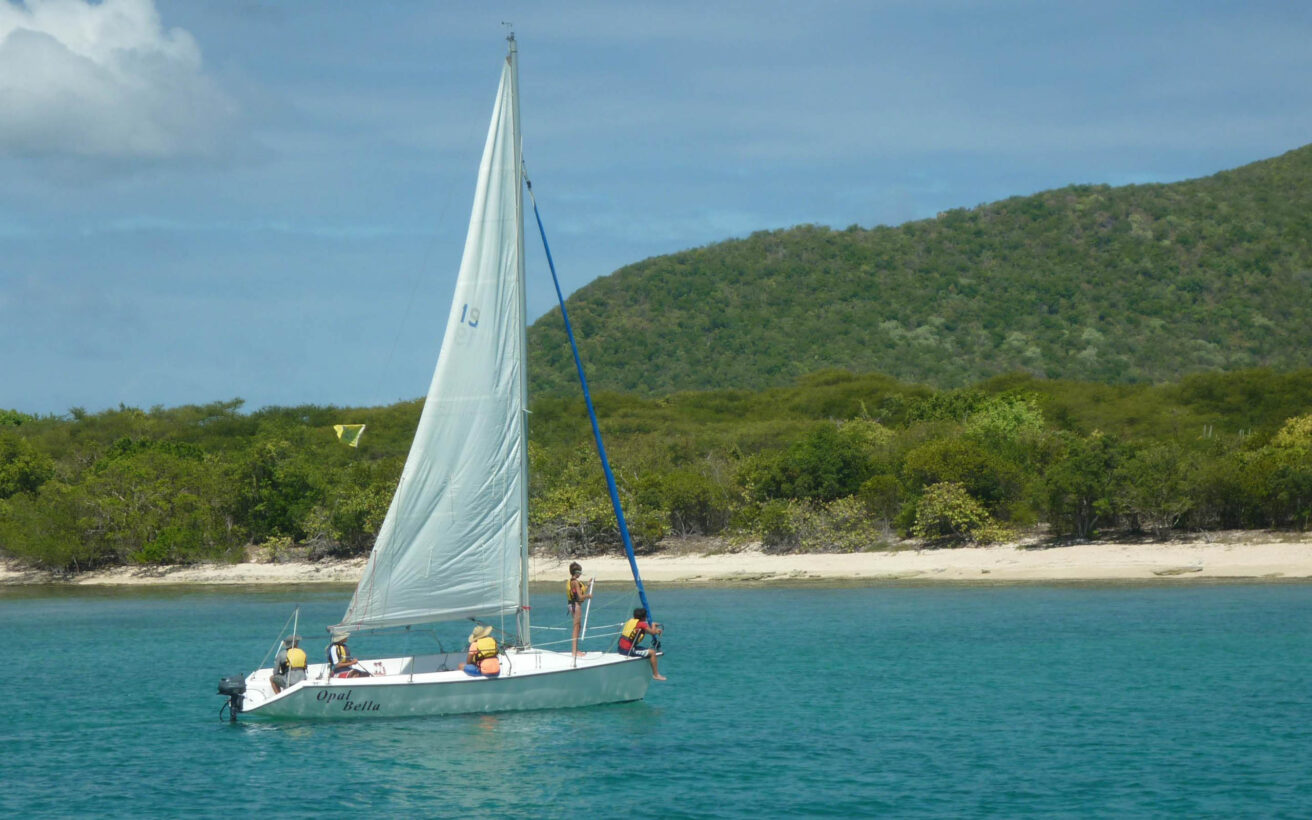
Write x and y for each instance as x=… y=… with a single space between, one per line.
x=910 y=701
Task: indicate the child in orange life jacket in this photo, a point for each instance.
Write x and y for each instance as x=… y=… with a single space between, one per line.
x=482 y=658
x=576 y=593
x=631 y=635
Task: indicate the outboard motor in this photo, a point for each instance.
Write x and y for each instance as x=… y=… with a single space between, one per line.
x=233 y=687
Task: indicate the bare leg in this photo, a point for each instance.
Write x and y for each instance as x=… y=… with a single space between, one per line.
x=574 y=645
x=655 y=673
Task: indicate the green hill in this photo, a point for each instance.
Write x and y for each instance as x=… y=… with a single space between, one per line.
x=1130 y=284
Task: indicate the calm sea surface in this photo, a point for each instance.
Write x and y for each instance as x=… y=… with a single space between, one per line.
x=930 y=701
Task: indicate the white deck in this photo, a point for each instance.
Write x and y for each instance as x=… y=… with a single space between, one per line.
x=438 y=685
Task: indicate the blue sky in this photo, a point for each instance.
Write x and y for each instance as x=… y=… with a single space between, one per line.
x=209 y=199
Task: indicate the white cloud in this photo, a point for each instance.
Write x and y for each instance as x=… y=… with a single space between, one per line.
x=104 y=80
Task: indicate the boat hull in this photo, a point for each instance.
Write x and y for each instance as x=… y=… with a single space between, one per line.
x=530 y=680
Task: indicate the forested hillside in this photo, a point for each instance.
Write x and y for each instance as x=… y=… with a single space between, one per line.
x=1118 y=285
x=1081 y=360
x=836 y=462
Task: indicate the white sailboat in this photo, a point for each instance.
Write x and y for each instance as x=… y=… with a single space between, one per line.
x=454 y=544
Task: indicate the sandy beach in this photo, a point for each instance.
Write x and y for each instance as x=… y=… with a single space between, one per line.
x=1258 y=556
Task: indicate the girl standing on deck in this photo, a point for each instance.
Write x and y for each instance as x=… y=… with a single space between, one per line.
x=576 y=593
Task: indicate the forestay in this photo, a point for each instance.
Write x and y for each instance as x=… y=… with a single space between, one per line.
x=452 y=545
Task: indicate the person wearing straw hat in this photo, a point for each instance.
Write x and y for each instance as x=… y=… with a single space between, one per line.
x=340 y=660
x=482 y=658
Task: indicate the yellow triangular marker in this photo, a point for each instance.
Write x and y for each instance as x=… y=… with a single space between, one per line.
x=349 y=433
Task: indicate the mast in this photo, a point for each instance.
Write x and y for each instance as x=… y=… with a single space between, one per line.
x=522 y=617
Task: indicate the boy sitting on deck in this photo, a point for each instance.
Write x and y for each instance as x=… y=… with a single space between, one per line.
x=635 y=629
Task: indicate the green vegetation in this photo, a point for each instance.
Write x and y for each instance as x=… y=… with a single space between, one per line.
x=191 y=483
x=836 y=462
x=1145 y=283
x=1040 y=321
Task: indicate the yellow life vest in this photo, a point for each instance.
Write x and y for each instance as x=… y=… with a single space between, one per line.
x=574 y=591
x=296 y=658
x=631 y=633
x=485 y=648
x=338 y=655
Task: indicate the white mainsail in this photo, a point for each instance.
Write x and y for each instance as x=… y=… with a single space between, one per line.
x=453 y=543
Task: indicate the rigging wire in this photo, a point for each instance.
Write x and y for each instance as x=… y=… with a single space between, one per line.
x=278 y=640
x=587 y=399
